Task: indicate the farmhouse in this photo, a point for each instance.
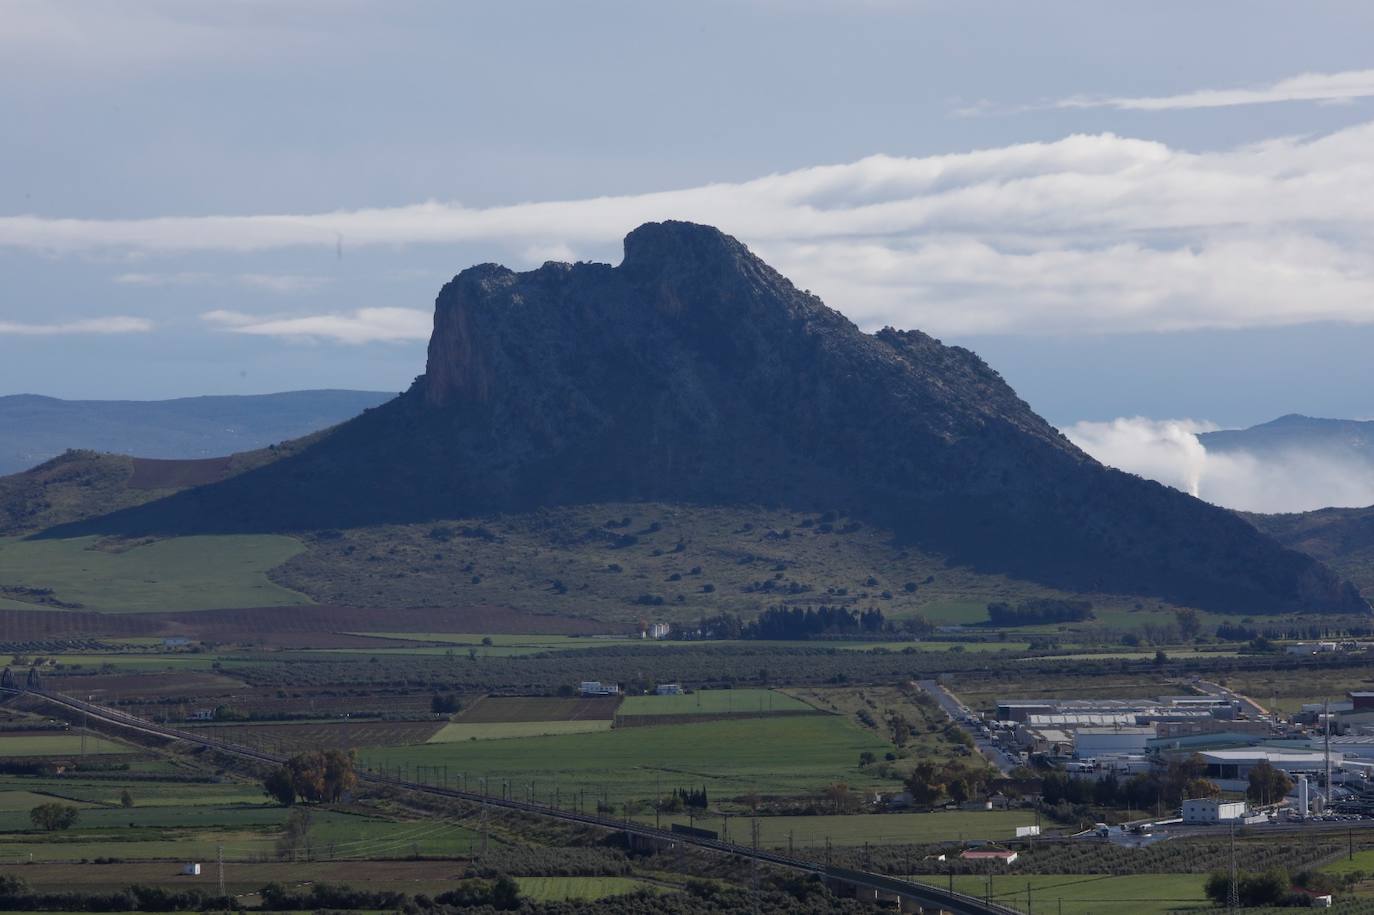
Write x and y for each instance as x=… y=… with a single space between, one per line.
x=668 y=689
x=597 y=688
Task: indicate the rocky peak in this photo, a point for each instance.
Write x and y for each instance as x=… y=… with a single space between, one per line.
x=693 y=372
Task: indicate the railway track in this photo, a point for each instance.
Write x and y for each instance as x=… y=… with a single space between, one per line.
x=915 y=896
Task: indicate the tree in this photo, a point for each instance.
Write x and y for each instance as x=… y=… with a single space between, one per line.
x=126 y=799
x=295 y=835
x=1267 y=784
x=866 y=758
x=840 y=798
x=1201 y=787
x=444 y=705
x=1189 y=623
x=505 y=894
x=53 y=816
x=1254 y=890
x=278 y=786
x=924 y=785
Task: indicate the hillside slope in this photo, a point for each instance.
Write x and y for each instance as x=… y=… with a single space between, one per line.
x=694 y=373
x=1342 y=538
x=34 y=429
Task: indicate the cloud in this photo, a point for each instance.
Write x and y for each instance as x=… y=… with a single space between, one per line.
x=365 y=325
x=1087 y=234
x=284 y=283
x=1299 y=479
x=1307 y=87
x=115 y=324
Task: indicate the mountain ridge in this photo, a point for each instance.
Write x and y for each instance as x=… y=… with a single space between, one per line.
x=35 y=428
x=694 y=372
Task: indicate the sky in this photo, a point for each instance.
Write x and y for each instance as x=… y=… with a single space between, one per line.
x=1158 y=210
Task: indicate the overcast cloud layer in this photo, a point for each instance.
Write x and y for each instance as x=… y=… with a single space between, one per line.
x=1087 y=234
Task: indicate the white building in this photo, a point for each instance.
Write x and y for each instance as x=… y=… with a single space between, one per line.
x=1212 y=810
x=597 y=688
x=668 y=689
x=1093 y=742
x=658 y=630
x=1235 y=765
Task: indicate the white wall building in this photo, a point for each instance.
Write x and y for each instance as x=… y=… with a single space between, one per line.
x=597 y=688
x=1093 y=742
x=1212 y=810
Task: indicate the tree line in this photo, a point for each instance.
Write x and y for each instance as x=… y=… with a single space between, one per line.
x=784 y=623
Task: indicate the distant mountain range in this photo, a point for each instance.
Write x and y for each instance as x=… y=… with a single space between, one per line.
x=34 y=428
x=693 y=373
x=1349 y=438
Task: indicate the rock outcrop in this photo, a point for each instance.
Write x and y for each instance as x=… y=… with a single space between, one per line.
x=694 y=372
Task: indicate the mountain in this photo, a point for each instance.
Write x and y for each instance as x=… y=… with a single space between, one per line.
x=34 y=429
x=1339 y=438
x=695 y=373
x=1342 y=538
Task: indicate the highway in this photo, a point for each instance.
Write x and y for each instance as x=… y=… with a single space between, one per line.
x=867 y=883
x=994 y=754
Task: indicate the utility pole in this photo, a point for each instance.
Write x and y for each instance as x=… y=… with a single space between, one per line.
x=1326 y=714
x=1233 y=887
x=754 y=832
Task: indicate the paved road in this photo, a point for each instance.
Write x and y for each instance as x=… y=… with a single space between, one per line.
x=863 y=881
x=1247 y=705
x=1002 y=761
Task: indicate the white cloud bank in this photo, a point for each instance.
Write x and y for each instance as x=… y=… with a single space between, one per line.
x=115 y=324
x=365 y=325
x=1307 y=87
x=1088 y=234
x=1169 y=451
x=284 y=283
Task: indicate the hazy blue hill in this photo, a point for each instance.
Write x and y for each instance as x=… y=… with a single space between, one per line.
x=1335 y=437
x=34 y=428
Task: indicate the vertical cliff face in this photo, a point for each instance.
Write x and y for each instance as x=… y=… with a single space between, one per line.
x=694 y=372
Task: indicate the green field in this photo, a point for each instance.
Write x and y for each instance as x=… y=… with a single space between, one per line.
x=184 y=573
x=64 y=744
x=1144 y=894
x=713 y=702
x=501 y=730
x=856 y=829
x=792 y=755
x=559 y=889
x=24 y=801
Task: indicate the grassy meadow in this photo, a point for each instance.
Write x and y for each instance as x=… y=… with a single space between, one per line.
x=183 y=573
x=785 y=755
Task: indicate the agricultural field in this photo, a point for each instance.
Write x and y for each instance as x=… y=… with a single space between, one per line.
x=559 y=889
x=770 y=756
x=458 y=731
x=184 y=573
x=877 y=709
x=297 y=737
x=714 y=702
x=62 y=744
x=494 y=709
x=812 y=832
x=1151 y=894
x=1289 y=690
